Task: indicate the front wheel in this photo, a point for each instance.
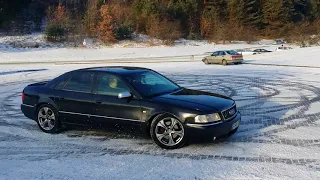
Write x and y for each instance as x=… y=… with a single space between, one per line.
x=47 y=119
x=205 y=61
x=168 y=132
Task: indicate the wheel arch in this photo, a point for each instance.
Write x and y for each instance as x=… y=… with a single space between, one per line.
x=46 y=102
x=154 y=116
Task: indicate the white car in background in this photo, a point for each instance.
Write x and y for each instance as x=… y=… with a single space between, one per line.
x=245 y=52
x=283 y=48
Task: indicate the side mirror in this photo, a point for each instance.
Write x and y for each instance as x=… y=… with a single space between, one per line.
x=125 y=94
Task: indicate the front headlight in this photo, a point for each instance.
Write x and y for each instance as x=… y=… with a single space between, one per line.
x=207 y=118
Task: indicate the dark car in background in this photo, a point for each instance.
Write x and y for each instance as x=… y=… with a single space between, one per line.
x=105 y=96
x=260 y=51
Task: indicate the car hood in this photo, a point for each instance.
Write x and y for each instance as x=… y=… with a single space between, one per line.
x=198 y=100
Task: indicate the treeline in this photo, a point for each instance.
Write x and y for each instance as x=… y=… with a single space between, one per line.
x=216 y=20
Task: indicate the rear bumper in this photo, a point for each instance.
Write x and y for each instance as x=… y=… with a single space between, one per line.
x=235 y=61
x=28 y=111
x=212 y=130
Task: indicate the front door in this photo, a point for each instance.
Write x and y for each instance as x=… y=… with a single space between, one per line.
x=213 y=57
x=109 y=109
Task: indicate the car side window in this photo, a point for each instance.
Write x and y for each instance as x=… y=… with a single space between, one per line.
x=222 y=53
x=80 y=82
x=110 y=85
x=215 y=53
x=60 y=85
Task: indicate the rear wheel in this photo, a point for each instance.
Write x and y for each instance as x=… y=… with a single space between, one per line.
x=224 y=62
x=47 y=119
x=168 y=132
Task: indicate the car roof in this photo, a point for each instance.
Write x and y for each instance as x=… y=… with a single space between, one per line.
x=116 y=69
x=222 y=50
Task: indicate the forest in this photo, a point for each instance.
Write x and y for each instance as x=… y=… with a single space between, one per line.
x=215 y=20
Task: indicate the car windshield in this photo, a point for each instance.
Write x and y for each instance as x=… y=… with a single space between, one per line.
x=150 y=84
x=232 y=52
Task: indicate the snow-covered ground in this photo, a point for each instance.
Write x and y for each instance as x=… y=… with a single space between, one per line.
x=137 y=50
x=183 y=50
x=297 y=57
x=278 y=137
x=87 y=54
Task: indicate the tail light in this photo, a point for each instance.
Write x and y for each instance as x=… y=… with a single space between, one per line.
x=22 y=96
x=237 y=57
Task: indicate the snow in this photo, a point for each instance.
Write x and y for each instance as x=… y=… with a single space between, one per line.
x=133 y=54
x=141 y=167
x=141 y=48
x=183 y=50
x=297 y=57
x=262 y=94
x=301 y=133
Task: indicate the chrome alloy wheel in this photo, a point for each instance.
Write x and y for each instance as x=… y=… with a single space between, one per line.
x=169 y=131
x=46 y=118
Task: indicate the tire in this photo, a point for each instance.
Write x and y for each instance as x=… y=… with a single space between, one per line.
x=224 y=62
x=48 y=119
x=206 y=61
x=163 y=134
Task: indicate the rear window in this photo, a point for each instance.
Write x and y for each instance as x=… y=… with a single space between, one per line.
x=232 y=52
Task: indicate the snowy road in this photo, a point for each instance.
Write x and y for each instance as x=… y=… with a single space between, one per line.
x=278 y=138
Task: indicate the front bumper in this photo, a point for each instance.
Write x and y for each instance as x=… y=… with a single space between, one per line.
x=213 y=129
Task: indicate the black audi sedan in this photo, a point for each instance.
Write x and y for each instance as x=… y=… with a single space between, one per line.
x=106 y=96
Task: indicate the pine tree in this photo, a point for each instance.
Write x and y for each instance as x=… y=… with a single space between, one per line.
x=188 y=13
x=278 y=16
x=105 y=27
x=91 y=17
x=314 y=9
x=235 y=11
x=251 y=13
x=146 y=8
x=217 y=8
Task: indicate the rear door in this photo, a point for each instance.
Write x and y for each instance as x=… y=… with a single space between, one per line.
x=222 y=55
x=109 y=109
x=75 y=99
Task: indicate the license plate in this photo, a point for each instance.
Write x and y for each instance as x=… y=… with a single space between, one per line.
x=235 y=125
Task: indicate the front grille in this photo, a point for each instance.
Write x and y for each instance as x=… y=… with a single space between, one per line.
x=229 y=113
